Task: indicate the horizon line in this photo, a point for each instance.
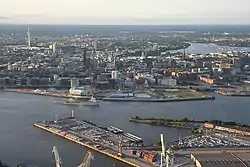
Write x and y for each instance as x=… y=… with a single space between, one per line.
x=196 y=24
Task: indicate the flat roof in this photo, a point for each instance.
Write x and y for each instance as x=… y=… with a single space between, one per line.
x=222 y=159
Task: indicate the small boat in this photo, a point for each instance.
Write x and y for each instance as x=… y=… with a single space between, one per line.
x=92 y=102
x=68 y=102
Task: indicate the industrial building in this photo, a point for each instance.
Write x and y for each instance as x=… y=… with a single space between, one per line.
x=168 y=82
x=221 y=159
x=81 y=91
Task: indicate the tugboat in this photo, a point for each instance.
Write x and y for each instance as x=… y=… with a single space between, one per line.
x=92 y=102
x=68 y=102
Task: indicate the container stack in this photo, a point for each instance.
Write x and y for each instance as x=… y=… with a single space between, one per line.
x=150 y=157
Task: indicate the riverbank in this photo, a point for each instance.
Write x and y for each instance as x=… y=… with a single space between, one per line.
x=65 y=94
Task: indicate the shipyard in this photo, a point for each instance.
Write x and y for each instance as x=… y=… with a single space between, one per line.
x=111 y=141
x=106 y=141
x=130 y=148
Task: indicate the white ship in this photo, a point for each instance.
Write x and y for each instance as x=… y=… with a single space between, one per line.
x=91 y=102
x=68 y=102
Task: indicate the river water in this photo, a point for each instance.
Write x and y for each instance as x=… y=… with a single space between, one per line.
x=20 y=142
x=203 y=48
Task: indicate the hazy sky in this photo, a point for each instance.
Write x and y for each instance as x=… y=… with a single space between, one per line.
x=125 y=11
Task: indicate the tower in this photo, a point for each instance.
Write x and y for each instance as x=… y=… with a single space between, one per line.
x=85 y=57
x=28 y=37
x=95 y=45
x=184 y=54
x=54 y=47
x=115 y=56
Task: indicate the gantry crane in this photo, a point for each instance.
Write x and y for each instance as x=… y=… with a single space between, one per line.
x=57 y=157
x=87 y=159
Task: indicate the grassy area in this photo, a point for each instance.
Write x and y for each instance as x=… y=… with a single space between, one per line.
x=183 y=94
x=162 y=122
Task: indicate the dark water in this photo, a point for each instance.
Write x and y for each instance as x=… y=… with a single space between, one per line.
x=20 y=142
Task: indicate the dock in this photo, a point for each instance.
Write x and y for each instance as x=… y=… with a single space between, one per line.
x=159 y=100
x=88 y=138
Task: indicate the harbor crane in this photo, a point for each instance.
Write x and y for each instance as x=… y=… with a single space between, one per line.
x=166 y=155
x=85 y=163
x=57 y=157
x=87 y=159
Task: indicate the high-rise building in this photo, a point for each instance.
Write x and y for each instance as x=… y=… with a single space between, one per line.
x=184 y=54
x=28 y=37
x=85 y=57
x=114 y=75
x=54 y=47
x=95 y=45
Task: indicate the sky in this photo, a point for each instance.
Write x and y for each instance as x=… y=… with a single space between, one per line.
x=99 y=12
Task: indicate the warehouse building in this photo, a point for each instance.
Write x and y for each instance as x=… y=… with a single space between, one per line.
x=221 y=159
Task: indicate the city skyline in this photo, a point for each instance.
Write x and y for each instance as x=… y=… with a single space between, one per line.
x=125 y=12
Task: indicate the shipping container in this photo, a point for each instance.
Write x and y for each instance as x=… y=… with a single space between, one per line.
x=151 y=159
x=209 y=126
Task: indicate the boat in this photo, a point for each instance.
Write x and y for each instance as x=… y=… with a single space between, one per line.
x=92 y=102
x=68 y=102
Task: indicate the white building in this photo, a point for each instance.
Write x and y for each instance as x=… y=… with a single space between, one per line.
x=54 y=47
x=81 y=91
x=10 y=67
x=114 y=75
x=168 y=82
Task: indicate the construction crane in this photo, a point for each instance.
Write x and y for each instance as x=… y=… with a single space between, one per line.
x=57 y=157
x=87 y=159
x=166 y=156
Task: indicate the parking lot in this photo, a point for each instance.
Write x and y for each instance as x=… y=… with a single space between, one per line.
x=211 y=140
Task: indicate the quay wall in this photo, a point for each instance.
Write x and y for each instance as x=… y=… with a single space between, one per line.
x=87 y=145
x=158 y=100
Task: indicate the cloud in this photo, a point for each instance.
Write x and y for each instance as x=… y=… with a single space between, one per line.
x=4 y=18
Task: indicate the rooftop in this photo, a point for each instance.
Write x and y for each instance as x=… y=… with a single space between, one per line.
x=223 y=159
